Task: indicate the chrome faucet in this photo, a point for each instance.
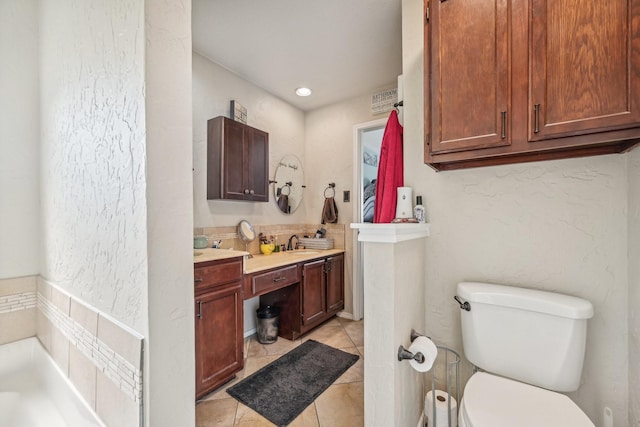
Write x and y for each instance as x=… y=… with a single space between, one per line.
x=290 y=245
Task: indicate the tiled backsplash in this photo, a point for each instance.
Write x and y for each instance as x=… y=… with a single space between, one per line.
x=101 y=357
x=281 y=233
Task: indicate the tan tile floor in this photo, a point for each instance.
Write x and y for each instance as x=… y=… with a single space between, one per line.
x=342 y=404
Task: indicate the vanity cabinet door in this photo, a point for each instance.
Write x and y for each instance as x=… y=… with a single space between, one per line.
x=313 y=292
x=335 y=283
x=219 y=336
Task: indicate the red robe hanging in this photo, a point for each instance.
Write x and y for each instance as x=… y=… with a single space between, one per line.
x=390 y=171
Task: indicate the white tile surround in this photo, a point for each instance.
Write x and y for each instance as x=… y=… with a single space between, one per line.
x=101 y=357
x=17 y=302
x=124 y=374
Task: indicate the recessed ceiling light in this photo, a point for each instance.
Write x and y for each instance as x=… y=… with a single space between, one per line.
x=303 y=91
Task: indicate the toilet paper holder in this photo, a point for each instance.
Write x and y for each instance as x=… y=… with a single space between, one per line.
x=447 y=368
x=404 y=354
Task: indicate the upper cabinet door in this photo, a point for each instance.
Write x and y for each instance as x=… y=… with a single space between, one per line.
x=257 y=167
x=467 y=71
x=585 y=67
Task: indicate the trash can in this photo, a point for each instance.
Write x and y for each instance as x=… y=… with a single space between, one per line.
x=268 y=323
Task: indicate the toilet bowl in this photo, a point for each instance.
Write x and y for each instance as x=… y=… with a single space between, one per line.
x=493 y=401
x=529 y=345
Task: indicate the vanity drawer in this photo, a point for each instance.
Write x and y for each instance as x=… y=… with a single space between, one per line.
x=266 y=282
x=217 y=273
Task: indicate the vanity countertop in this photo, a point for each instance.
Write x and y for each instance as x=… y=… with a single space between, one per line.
x=280 y=259
x=263 y=262
x=210 y=254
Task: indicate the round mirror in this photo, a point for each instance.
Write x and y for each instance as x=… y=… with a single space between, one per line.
x=247 y=234
x=289 y=184
x=245 y=231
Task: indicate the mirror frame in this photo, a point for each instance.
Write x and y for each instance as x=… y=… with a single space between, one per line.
x=246 y=231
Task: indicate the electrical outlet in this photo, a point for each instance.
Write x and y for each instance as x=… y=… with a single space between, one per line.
x=346 y=196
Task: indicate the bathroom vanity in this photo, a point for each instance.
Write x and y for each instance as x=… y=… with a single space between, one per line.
x=307 y=286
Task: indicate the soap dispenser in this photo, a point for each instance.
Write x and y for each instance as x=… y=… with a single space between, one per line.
x=418 y=210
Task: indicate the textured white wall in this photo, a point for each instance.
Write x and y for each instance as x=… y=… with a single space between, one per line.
x=330 y=145
x=169 y=361
x=634 y=288
x=213 y=88
x=557 y=225
x=93 y=154
x=19 y=137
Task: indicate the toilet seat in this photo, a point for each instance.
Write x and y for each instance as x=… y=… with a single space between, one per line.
x=492 y=401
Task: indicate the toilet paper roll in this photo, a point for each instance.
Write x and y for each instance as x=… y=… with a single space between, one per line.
x=442 y=409
x=428 y=349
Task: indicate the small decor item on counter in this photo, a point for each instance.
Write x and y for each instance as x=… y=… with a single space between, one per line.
x=267 y=248
x=404 y=205
x=267 y=244
x=200 y=242
x=418 y=210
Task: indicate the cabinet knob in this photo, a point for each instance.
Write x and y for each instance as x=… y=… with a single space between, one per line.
x=246 y=191
x=252 y=192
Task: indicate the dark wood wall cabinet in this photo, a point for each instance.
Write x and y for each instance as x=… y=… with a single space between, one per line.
x=218 y=323
x=237 y=161
x=510 y=81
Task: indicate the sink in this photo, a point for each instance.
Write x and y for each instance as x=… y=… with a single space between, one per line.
x=196 y=253
x=304 y=252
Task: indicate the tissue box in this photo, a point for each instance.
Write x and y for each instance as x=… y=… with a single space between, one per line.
x=310 y=243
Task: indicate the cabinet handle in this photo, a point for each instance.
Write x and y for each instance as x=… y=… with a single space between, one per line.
x=279 y=279
x=503 y=120
x=199 y=313
x=246 y=191
x=252 y=192
x=197 y=279
x=536 y=118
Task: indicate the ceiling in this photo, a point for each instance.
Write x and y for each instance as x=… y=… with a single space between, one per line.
x=340 y=49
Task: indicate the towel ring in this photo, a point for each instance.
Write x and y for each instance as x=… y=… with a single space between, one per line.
x=332 y=188
x=288 y=187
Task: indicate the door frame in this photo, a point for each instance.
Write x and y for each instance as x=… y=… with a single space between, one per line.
x=357 y=278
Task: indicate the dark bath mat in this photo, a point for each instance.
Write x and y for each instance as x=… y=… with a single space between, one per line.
x=284 y=388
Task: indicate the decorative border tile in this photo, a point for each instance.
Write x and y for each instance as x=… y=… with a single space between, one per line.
x=126 y=376
x=17 y=302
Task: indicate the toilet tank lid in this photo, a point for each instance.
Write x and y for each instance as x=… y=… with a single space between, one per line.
x=526 y=299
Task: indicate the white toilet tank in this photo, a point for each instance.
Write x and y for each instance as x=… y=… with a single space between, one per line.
x=532 y=336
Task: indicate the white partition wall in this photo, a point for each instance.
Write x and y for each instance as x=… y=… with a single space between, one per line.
x=394 y=272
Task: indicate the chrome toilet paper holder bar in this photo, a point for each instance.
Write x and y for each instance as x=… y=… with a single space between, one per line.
x=404 y=354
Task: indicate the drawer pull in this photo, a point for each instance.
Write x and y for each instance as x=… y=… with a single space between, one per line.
x=197 y=279
x=199 y=314
x=279 y=279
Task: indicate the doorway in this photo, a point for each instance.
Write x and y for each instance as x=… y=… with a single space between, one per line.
x=367 y=139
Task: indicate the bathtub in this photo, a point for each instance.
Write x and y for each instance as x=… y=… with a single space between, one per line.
x=35 y=393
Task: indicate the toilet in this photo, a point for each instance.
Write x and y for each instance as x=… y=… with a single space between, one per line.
x=527 y=346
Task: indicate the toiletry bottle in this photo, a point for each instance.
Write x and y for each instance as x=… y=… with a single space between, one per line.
x=418 y=210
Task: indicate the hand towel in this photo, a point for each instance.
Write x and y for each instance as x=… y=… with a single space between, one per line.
x=283 y=203
x=329 y=211
x=390 y=171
